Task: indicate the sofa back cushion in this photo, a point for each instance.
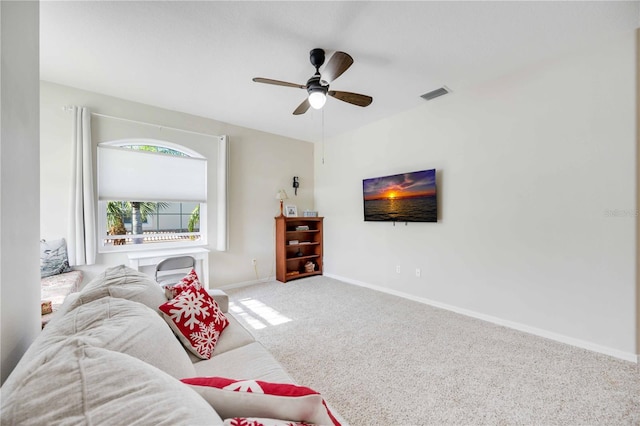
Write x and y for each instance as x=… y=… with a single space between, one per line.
x=125 y=283
x=120 y=325
x=74 y=383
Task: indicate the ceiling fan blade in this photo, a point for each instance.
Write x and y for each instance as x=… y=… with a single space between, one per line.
x=278 y=82
x=303 y=107
x=338 y=64
x=352 y=98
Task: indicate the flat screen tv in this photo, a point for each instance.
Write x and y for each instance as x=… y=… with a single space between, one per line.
x=407 y=197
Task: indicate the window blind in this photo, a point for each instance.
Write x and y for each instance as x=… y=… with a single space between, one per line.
x=133 y=175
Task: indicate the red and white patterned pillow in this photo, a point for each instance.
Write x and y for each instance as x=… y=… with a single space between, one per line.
x=255 y=398
x=191 y=278
x=196 y=319
x=254 y=421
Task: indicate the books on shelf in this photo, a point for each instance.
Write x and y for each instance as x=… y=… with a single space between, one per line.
x=299 y=243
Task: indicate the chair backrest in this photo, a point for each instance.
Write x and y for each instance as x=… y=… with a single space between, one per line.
x=172 y=264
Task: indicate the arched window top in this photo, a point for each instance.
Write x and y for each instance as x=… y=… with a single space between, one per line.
x=163 y=147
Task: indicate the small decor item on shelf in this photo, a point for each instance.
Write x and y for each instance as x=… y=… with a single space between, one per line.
x=45 y=307
x=293 y=242
x=281 y=195
x=292 y=273
x=291 y=211
x=309 y=267
x=299 y=253
x=302 y=228
x=309 y=213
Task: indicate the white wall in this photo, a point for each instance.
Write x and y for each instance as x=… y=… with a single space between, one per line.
x=532 y=168
x=260 y=164
x=19 y=181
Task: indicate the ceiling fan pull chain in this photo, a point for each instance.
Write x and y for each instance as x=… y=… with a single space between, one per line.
x=322 y=112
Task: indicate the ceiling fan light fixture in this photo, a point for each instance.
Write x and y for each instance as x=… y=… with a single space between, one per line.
x=318 y=85
x=317 y=99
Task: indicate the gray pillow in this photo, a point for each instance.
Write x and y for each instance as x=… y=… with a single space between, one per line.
x=53 y=258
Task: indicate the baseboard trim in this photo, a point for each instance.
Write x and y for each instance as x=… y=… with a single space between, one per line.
x=247 y=283
x=626 y=356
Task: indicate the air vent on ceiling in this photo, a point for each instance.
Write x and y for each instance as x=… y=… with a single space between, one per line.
x=436 y=93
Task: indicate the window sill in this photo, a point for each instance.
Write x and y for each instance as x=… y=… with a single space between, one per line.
x=135 y=248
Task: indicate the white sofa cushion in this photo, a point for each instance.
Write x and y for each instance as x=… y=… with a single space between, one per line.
x=68 y=302
x=234 y=336
x=74 y=383
x=221 y=298
x=255 y=398
x=125 y=283
x=251 y=361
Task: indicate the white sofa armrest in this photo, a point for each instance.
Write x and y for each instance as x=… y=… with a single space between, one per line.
x=221 y=298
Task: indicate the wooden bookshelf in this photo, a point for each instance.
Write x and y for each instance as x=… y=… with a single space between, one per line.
x=295 y=247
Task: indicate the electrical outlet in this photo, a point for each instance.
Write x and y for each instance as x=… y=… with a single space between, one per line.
x=418 y=272
x=254 y=262
x=397 y=269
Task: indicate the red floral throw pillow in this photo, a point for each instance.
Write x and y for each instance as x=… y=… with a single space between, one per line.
x=253 y=421
x=191 y=278
x=196 y=319
x=255 y=398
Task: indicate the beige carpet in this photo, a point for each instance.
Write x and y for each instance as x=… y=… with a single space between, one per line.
x=384 y=360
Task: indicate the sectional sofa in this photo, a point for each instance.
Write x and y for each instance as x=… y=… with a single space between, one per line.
x=109 y=356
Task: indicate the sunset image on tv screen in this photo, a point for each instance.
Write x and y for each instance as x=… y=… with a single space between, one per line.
x=407 y=197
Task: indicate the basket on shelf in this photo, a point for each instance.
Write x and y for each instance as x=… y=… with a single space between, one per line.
x=309 y=266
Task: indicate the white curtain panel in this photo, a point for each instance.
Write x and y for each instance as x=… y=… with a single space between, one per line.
x=223 y=194
x=82 y=229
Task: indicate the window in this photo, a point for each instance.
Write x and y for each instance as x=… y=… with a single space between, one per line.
x=169 y=185
x=157 y=222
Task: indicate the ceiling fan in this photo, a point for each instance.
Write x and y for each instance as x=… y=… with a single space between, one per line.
x=318 y=85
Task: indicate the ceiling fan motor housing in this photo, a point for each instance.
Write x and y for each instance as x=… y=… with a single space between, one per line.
x=314 y=85
x=316 y=56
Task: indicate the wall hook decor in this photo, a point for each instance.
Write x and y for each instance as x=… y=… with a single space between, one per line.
x=296 y=185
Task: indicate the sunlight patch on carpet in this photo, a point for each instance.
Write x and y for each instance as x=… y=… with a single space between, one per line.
x=259 y=313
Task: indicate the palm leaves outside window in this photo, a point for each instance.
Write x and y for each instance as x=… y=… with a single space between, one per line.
x=194 y=220
x=117 y=211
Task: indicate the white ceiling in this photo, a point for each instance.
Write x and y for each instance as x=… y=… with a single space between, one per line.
x=200 y=57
